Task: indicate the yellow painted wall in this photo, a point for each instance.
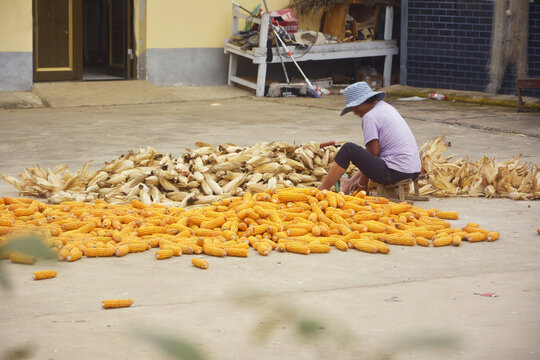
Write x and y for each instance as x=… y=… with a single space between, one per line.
x=15 y=25
x=194 y=24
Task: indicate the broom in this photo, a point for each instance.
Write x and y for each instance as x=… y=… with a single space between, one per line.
x=311 y=89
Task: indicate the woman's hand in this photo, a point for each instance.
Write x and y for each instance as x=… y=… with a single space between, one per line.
x=356 y=182
x=347 y=185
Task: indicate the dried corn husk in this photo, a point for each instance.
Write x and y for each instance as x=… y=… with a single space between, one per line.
x=201 y=174
x=449 y=176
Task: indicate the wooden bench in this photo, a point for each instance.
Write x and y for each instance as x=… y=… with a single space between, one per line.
x=398 y=192
x=526 y=83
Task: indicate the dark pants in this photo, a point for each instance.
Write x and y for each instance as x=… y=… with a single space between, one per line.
x=373 y=167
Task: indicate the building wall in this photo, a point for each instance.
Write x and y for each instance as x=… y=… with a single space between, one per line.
x=179 y=42
x=15 y=45
x=448 y=44
x=185 y=40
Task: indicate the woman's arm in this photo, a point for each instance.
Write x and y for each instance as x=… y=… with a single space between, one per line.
x=374 y=148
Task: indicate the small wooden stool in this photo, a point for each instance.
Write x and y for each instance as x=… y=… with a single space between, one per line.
x=396 y=192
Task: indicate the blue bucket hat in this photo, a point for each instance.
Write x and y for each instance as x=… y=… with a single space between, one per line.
x=357 y=94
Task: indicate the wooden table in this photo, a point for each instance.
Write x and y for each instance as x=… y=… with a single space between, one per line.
x=257 y=55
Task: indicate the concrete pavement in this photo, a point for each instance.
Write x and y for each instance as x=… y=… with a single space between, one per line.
x=363 y=305
x=131 y=92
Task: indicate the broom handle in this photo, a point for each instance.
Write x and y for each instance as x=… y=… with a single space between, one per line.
x=290 y=55
x=287 y=50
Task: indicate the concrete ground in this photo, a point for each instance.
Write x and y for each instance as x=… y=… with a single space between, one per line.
x=364 y=306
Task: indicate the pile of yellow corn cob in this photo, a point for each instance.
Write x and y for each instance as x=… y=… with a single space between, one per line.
x=297 y=220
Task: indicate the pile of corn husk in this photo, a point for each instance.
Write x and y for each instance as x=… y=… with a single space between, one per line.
x=207 y=173
x=200 y=176
x=448 y=176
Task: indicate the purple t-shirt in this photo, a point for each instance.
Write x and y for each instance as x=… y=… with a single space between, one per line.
x=397 y=143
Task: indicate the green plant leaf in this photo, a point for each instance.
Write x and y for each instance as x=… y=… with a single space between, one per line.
x=3 y=278
x=30 y=245
x=176 y=347
x=308 y=327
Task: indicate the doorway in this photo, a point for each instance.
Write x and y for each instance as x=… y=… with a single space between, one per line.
x=83 y=40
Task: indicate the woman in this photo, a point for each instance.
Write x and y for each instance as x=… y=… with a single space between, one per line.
x=391 y=153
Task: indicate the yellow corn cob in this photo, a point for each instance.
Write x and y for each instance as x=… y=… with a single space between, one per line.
x=21 y=258
x=318 y=248
x=475 y=229
x=316 y=230
x=263 y=248
x=381 y=247
x=197 y=249
x=236 y=251
x=419 y=231
x=149 y=230
x=122 y=250
x=434 y=227
x=176 y=250
x=422 y=241
x=340 y=200
x=213 y=250
x=281 y=247
x=117 y=303
x=456 y=240
x=341 y=245
x=200 y=263
x=44 y=274
x=74 y=254
x=5 y=230
x=203 y=232
x=291 y=196
x=62 y=254
x=492 y=236
x=7 y=222
x=296 y=232
x=476 y=237
x=331 y=198
x=213 y=223
x=343 y=229
x=400 y=208
x=443 y=241
x=163 y=254
x=86 y=228
x=99 y=252
x=137 y=204
x=374 y=226
x=229 y=235
x=448 y=215
x=24 y=211
x=269 y=242
x=365 y=246
x=297 y=247
x=137 y=247
x=186 y=249
x=399 y=239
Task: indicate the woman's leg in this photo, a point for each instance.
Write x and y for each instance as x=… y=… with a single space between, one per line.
x=371 y=166
x=334 y=174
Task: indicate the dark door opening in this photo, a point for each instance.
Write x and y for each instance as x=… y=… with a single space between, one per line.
x=107 y=53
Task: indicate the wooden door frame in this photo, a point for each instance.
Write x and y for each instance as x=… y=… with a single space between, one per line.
x=75 y=69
